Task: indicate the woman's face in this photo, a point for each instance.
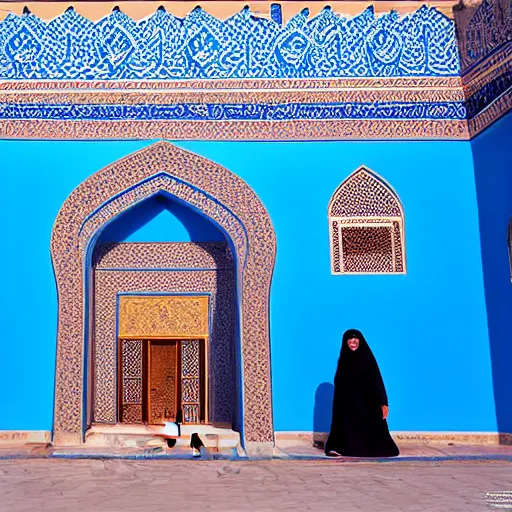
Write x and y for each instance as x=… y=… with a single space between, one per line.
x=353 y=344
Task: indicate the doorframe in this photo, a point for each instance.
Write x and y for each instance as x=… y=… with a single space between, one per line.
x=216 y=193
x=146 y=340
x=205 y=337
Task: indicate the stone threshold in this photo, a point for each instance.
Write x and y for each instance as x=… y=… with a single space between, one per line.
x=102 y=436
x=414 y=455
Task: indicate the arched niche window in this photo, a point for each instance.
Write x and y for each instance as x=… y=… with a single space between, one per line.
x=366 y=224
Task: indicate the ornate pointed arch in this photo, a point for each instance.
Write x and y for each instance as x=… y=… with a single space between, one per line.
x=366 y=226
x=214 y=192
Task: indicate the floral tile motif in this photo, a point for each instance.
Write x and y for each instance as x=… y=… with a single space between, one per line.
x=243 y=46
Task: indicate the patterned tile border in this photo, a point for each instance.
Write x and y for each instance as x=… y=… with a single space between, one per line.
x=395 y=108
x=285 y=111
x=216 y=193
x=492 y=113
x=143 y=255
x=407 y=86
x=230 y=97
x=201 y=46
x=236 y=130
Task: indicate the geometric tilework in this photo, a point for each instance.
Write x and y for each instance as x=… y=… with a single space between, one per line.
x=131 y=384
x=364 y=195
x=485 y=46
x=367 y=249
x=190 y=390
x=191 y=384
x=190 y=360
x=243 y=46
x=204 y=186
x=366 y=226
x=398 y=69
x=483 y=30
x=221 y=364
x=238 y=112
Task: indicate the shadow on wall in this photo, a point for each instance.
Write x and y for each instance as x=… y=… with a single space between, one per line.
x=493 y=176
x=322 y=413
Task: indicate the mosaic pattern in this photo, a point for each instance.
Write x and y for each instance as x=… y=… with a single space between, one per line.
x=163 y=182
x=190 y=390
x=132 y=413
x=367 y=129
x=198 y=182
x=205 y=256
x=367 y=249
x=364 y=194
x=190 y=360
x=244 y=46
x=491 y=114
x=190 y=375
x=162 y=315
x=366 y=226
x=484 y=30
x=260 y=75
x=132 y=359
x=231 y=111
x=221 y=372
x=132 y=391
x=485 y=41
x=214 y=86
x=335 y=246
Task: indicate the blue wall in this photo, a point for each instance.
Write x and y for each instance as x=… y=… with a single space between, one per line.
x=427 y=329
x=159 y=219
x=493 y=170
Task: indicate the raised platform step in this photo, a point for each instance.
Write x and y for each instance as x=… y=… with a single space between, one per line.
x=139 y=436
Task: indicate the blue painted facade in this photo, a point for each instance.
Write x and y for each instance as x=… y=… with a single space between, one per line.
x=160 y=219
x=439 y=332
x=493 y=172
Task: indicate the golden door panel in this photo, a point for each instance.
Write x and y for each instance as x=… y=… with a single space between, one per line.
x=163 y=380
x=163 y=316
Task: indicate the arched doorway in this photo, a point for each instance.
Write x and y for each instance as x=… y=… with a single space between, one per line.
x=210 y=191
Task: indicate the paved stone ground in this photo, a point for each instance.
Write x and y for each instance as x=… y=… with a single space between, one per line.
x=256 y=486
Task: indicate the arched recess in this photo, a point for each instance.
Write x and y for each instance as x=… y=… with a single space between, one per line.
x=217 y=194
x=366 y=226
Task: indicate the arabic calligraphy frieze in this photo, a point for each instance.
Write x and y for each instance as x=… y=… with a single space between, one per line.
x=246 y=112
x=199 y=46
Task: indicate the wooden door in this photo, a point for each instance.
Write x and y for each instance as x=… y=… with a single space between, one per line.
x=163 y=380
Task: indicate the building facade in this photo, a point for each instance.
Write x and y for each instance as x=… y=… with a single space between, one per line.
x=199 y=203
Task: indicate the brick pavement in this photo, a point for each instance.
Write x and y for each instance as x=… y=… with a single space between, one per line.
x=255 y=486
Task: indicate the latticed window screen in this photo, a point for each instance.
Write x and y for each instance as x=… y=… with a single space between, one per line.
x=191 y=380
x=133 y=361
x=132 y=381
x=366 y=227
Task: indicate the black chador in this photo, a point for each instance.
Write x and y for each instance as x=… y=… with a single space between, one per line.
x=359 y=427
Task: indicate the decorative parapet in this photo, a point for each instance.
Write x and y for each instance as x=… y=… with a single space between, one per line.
x=248 y=77
x=200 y=46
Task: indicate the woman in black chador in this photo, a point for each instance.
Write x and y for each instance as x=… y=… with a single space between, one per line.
x=360 y=406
